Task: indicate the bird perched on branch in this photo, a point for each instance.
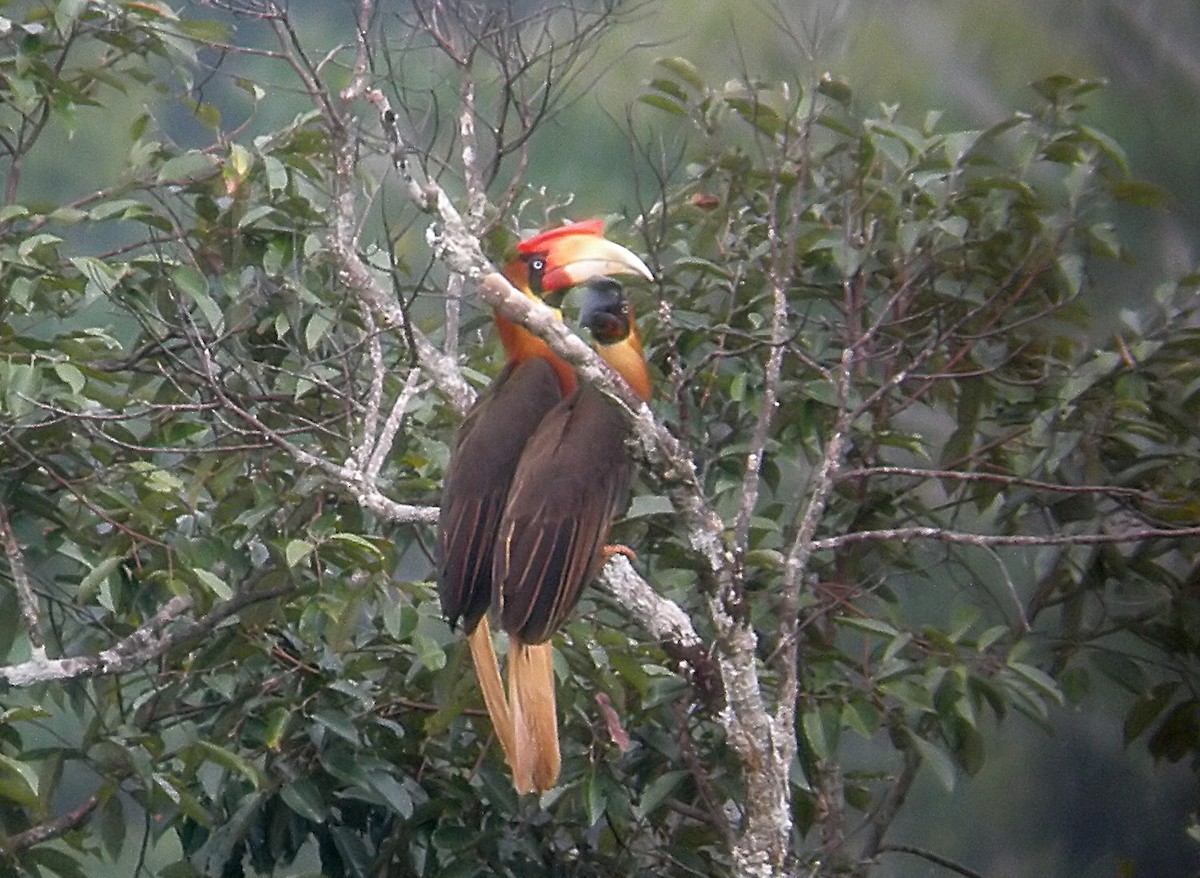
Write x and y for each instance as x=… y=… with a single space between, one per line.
x=571 y=482
x=492 y=443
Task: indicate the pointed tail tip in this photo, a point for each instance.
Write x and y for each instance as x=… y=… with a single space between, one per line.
x=487 y=669
x=537 y=760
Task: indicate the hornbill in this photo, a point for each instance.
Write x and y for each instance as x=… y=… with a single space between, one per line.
x=570 y=483
x=494 y=434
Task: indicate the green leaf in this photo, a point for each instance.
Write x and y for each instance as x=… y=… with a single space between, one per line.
x=1039 y=679
x=430 y=652
x=57 y=861
x=112 y=825
x=869 y=624
x=683 y=69
x=595 y=798
x=195 y=286
x=361 y=543
x=231 y=761
x=822 y=729
x=645 y=505
x=392 y=792
x=1148 y=709
x=862 y=717
x=188 y=167
x=67 y=13
x=338 y=723
x=296 y=551
x=204 y=30
x=70 y=376
x=657 y=791
x=671 y=89
x=938 y=760
x=213 y=583
x=318 y=325
x=304 y=798
x=18 y=782
x=33 y=243
x=96 y=575
x=1140 y=194
x=662 y=102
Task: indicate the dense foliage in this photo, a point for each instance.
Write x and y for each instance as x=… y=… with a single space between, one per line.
x=942 y=502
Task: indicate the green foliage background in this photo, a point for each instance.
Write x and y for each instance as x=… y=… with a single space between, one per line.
x=157 y=276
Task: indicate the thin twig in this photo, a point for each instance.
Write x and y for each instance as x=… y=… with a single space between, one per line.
x=936 y=859
x=969 y=539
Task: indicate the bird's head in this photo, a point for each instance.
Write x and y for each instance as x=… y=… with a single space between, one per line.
x=607 y=314
x=553 y=261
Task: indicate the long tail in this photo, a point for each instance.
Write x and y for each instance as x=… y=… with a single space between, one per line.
x=487 y=669
x=535 y=721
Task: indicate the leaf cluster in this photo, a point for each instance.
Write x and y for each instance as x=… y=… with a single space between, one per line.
x=194 y=405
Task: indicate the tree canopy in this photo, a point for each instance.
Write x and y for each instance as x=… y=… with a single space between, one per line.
x=893 y=494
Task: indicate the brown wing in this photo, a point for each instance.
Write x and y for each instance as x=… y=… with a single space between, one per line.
x=571 y=482
x=481 y=468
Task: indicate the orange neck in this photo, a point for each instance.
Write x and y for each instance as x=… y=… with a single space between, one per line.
x=519 y=343
x=629 y=362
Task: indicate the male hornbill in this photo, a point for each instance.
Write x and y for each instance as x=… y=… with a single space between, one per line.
x=570 y=483
x=493 y=437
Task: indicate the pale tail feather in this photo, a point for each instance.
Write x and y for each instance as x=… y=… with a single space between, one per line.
x=535 y=721
x=487 y=669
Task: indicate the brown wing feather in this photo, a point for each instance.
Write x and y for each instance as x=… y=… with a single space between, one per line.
x=572 y=480
x=481 y=468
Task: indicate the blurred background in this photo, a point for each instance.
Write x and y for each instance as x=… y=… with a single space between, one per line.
x=1068 y=802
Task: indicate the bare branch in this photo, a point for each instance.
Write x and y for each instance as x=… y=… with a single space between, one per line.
x=132 y=651
x=348 y=476
x=146 y=643
x=368 y=445
x=666 y=622
x=997 y=478
x=25 y=595
x=51 y=829
x=383 y=444
x=943 y=535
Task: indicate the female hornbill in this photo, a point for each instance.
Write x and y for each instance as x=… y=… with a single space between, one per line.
x=570 y=483
x=493 y=437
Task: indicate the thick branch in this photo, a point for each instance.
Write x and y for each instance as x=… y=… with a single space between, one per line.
x=764 y=751
x=143 y=645
x=667 y=623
